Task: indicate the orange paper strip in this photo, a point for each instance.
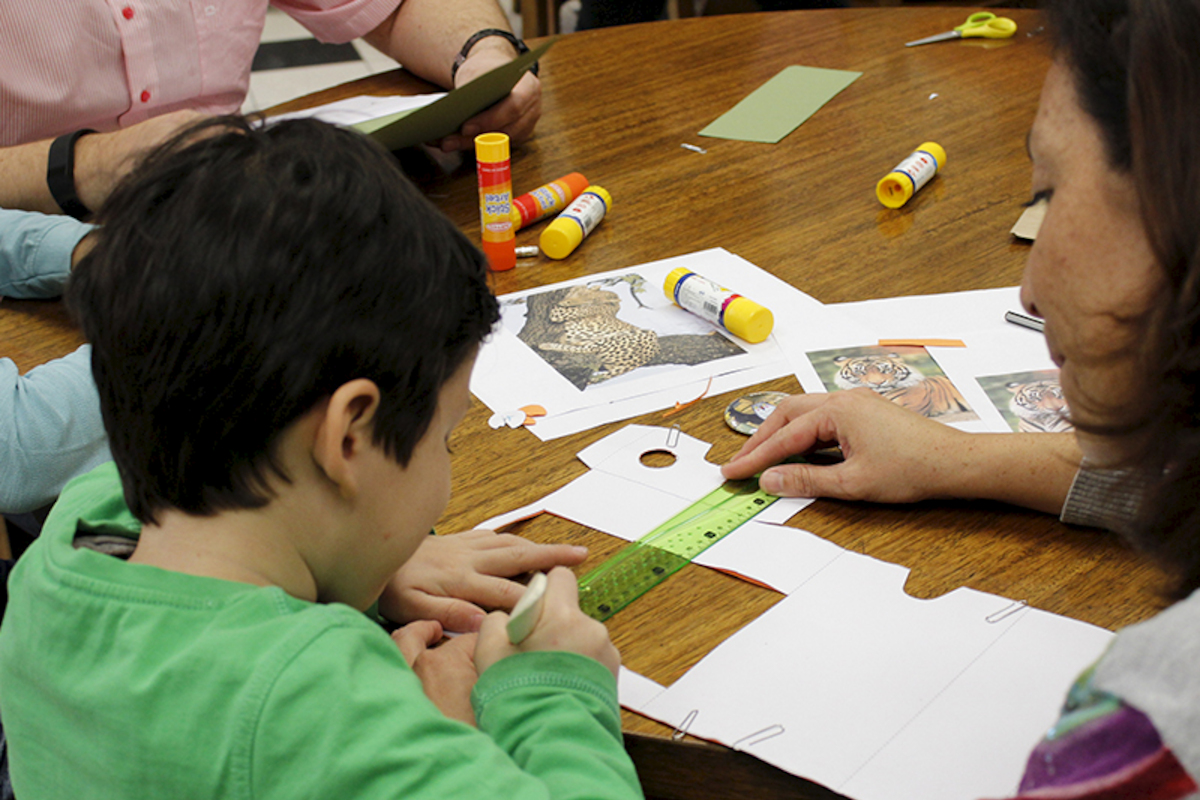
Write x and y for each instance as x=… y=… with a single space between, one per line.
x=922 y=343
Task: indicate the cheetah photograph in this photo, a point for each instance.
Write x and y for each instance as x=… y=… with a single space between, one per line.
x=596 y=332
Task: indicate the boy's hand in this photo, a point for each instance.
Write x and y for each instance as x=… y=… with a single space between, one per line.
x=452 y=579
x=447 y=670
x=562 y=626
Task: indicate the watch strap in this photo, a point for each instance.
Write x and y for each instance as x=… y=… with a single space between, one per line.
x=475 y=38
x=60 y=173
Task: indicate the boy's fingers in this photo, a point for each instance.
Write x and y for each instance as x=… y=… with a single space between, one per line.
x=414 y=638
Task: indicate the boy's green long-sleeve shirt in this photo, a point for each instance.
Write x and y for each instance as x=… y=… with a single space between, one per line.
x=122 y=680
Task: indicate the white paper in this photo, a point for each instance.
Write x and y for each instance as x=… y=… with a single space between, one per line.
x=853 y=684
x=354 y=110
x=509 y=374
x=994 y=346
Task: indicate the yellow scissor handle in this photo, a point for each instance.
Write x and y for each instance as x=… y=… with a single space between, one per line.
x=987 y=25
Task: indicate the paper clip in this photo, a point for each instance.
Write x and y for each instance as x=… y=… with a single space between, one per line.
x=673 y=435
x=1006 y=612
x=759 y=737
x=681 y=729
x=693 y=148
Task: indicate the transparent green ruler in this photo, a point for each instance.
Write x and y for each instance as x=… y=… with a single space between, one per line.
x=640 y=566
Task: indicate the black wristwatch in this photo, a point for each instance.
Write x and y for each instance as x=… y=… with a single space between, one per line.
x=521 y=47
x=60 y=173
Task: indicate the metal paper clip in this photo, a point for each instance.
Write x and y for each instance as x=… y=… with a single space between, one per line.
x=681 y=729
x=1006 y=612
x=673 y=435
x=758 y=737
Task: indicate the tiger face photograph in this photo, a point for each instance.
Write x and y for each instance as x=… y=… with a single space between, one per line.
x=907 y=376
x=1030 y=402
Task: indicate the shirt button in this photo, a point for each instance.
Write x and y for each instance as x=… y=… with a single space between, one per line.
x=127 y=12
x=145 y=96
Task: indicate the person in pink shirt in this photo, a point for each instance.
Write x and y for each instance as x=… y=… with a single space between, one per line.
x=137 y=71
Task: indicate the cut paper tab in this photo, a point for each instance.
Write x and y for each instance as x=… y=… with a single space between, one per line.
x=1030 y=223
x=780 y=105
x=922 y=343
x=522 y=417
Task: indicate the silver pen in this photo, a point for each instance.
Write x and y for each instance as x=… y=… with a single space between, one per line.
x=1024 y=320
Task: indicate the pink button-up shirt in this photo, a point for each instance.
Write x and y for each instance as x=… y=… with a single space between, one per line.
x=106 y=64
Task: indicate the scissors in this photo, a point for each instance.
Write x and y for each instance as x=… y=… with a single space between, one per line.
x=981 y=24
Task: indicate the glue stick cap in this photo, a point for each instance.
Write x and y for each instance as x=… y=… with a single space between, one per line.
x=566 y=232
x=491 y=147
x=749 y=320
x=897 y=187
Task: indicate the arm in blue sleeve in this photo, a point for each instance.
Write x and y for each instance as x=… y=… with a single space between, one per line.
x=50 y=429
x=35 y=252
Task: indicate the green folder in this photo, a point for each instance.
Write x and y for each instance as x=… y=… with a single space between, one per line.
x=780 y=105
x=447 y=114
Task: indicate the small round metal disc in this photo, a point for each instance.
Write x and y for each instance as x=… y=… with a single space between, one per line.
x=745 y=414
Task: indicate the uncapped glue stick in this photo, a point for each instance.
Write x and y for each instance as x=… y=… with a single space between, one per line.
x=569 y=228
x=546 y=200
x=736 y=314
x=495 y=200
x=895 y=188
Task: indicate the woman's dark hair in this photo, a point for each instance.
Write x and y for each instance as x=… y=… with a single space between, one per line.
x=1136 y=65
x=240 y=275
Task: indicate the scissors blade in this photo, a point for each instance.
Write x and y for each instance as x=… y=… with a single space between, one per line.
x=941 y=37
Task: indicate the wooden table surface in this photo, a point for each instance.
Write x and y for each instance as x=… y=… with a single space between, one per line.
x=617 y=105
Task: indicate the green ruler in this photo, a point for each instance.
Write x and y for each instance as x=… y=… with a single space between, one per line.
x=640 y=566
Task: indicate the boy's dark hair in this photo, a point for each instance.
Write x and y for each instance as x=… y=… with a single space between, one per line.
x=241 y=275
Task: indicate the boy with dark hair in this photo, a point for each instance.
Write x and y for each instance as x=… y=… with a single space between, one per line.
x=283 y=331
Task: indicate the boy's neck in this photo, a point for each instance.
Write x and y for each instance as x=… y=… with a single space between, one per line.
x=254 y=546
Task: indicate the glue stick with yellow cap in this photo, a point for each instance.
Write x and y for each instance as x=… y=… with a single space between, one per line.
x=569 y=228
x=736 y=314
x=895 y=188
x=546 y=200
x=495 y=200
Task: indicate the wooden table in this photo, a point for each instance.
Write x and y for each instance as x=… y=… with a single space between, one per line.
x=617 y=105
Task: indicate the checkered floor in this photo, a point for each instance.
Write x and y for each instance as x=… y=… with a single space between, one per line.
x=291 y=63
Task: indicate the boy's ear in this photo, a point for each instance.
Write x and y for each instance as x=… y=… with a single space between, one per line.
x=344 y=431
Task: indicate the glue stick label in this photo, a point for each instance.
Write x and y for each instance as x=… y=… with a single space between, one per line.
x=548 y=198
x=919 y=167
x=495 y=199
x=587 y=211
x=703 y=298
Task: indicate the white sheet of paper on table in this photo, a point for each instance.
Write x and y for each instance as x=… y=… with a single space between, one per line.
x=992 y=352
x=853 y=684
x=509 y=374
x=976 y=317
x=353 y=110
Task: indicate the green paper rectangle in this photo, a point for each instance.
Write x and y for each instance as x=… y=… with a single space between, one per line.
x=446 y=115
x=780 y=105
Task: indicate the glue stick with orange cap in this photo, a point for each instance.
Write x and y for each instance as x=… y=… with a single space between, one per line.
x=895 y=188
x=495 y=200
x=569 y=228
x=546 y=200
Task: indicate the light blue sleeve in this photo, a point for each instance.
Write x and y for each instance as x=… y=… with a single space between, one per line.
x=35 y=252
x=50 y=429
x=50 y=426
